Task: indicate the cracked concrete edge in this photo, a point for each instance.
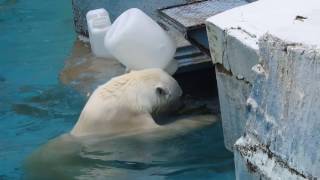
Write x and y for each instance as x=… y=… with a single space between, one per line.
x=256 y=153
x=260 y=163
x=233 y=94
x=234 y=87
x=235 y=49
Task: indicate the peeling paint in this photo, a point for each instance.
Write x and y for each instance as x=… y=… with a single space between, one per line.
x=284 y=124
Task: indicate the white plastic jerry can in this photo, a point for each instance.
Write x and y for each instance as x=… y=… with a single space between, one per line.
x=172 y=67
x=138 y=42
x=98 y=24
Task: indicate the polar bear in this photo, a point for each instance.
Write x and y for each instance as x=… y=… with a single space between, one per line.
x=127 y=103
x=120 y=116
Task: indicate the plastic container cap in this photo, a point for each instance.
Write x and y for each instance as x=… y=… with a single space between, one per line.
x=98 y=24
x=138 y=42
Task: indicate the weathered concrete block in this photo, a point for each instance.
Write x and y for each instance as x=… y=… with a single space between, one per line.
x=233 y=95
x=284 y=100
x=284 y=108
x=233 y=36
x=235 y=49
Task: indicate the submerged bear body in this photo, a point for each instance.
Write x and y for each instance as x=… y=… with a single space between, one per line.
x=119 y=119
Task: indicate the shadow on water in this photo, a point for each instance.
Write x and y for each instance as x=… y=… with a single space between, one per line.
x=47 y=103
x=2 y=79
x=29 y=117
x=7 y=4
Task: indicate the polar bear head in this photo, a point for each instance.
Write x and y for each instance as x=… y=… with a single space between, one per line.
x=153 y=91
x=119 y=104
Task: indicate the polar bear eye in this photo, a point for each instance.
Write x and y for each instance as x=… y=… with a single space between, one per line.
x=160 y=91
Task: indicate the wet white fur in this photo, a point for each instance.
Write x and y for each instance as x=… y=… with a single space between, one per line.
x=125 y=103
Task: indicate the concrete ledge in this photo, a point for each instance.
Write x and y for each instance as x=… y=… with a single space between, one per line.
x=283 y=107
x=228 y=48
x=235 y=33
x=233 y=38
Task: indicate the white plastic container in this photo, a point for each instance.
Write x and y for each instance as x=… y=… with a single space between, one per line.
x=172 y=67
x=98 y=24
x=139 y=42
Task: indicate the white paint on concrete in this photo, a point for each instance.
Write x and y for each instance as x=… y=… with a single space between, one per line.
x=252 y=155
x=287 y=95
x=252 y=103
x=233 y=34
x=290 y=20
x=228 y=48
x=232 y=97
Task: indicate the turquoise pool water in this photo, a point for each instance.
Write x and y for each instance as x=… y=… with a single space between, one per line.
x=36 y=37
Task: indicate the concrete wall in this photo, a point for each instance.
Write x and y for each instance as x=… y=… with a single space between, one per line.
x=278 y=120
x=233 y=94
x=284 y=111
x=233 y=38
x=235 y=59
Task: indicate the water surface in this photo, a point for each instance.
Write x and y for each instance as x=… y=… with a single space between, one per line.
x=36 y=37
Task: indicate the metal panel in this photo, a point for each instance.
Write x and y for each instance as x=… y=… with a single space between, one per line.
x=190 y=18
x=189 y=57
x=193 y=15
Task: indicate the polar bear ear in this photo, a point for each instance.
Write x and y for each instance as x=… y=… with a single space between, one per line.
x=161 y=91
